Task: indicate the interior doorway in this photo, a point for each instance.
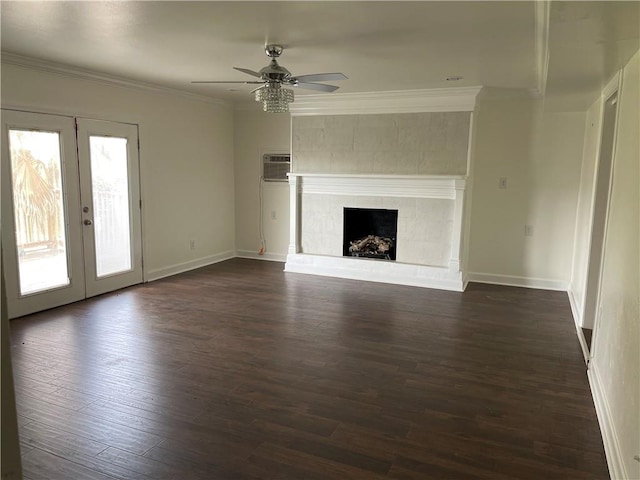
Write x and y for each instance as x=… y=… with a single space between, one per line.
x=600 y=209
x=72 y=215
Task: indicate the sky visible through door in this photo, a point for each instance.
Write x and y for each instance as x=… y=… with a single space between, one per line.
x=110 y=192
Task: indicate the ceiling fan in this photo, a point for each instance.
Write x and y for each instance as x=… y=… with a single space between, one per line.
x=274 y=73
x=273 y=77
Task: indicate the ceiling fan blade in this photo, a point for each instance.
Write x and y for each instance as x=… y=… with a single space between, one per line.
x=231 y=81
x=321 y=77
x=316 y=86
x=248 y=72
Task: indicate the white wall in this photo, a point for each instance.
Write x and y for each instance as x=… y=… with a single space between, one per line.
x=540 y=154
x=186 y=160
x=503 y=131
x=553 y=195
x=614 y=371
x=255 y=133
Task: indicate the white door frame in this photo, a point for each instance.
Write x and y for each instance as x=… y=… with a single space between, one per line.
x=18 y=304
x=603 y=180
x=86 y=128
x=83 y=281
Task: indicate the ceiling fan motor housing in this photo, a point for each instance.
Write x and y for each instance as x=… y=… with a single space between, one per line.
x=273 y=51
x=274 y=72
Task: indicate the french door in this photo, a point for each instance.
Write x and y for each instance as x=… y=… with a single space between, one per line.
x=70 y=209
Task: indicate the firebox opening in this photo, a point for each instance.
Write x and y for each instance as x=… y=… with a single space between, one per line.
x=370 y=233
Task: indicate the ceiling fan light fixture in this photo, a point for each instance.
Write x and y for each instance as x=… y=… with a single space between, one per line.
x=274 y=98
x=272 y=95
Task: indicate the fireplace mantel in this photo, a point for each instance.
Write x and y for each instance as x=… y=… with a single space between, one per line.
x=414 y=186
x=442 y=187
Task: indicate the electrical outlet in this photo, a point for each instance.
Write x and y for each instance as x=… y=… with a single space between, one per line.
x=192 y=244
x=502 y=182
x=528 y=230
x=273 y=214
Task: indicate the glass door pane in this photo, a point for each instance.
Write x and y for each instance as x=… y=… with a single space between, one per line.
x=110 y=190
x=39 y=215
x=110 y=195
x=42 y=245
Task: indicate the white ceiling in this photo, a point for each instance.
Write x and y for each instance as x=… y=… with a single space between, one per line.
x=380 y=46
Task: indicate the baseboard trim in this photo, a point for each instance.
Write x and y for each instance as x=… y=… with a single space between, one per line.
x=375 y=271
x=577 y=319
x=575 y=309
x=159 y=273
x=271 y=257
x=515 y=281
x=612 y=451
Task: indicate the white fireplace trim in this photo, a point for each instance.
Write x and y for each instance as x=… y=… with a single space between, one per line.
x=432 y=186
x=412 y=186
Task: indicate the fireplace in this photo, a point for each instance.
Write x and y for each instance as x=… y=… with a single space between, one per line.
x=370 y=233
x=427 y=219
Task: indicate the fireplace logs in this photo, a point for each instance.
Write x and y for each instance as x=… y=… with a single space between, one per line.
x=371 y=246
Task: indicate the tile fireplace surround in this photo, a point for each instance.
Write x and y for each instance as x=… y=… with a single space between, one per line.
x=408 y=151
x=430 y=227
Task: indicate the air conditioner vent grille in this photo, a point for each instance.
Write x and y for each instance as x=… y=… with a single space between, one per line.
x=275 y=167
x=278 y=158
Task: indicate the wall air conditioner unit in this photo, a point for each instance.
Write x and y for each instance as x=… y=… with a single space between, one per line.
x=275 y=167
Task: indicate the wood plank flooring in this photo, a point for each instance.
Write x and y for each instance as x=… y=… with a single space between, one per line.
x=240 y=371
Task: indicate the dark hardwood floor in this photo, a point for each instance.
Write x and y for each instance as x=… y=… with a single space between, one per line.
x=588 y=333
x=240 y=371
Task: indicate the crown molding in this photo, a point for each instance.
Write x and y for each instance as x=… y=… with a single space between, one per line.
x=102 y=78
x=541 y=45
x=461 y=99
x=612 y=86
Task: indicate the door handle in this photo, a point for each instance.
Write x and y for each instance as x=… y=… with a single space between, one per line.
x=87 y=222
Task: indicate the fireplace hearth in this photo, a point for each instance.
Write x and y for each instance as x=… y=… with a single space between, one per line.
x=370 y=233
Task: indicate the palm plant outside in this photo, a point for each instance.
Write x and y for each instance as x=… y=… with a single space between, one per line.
x=36 y=194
